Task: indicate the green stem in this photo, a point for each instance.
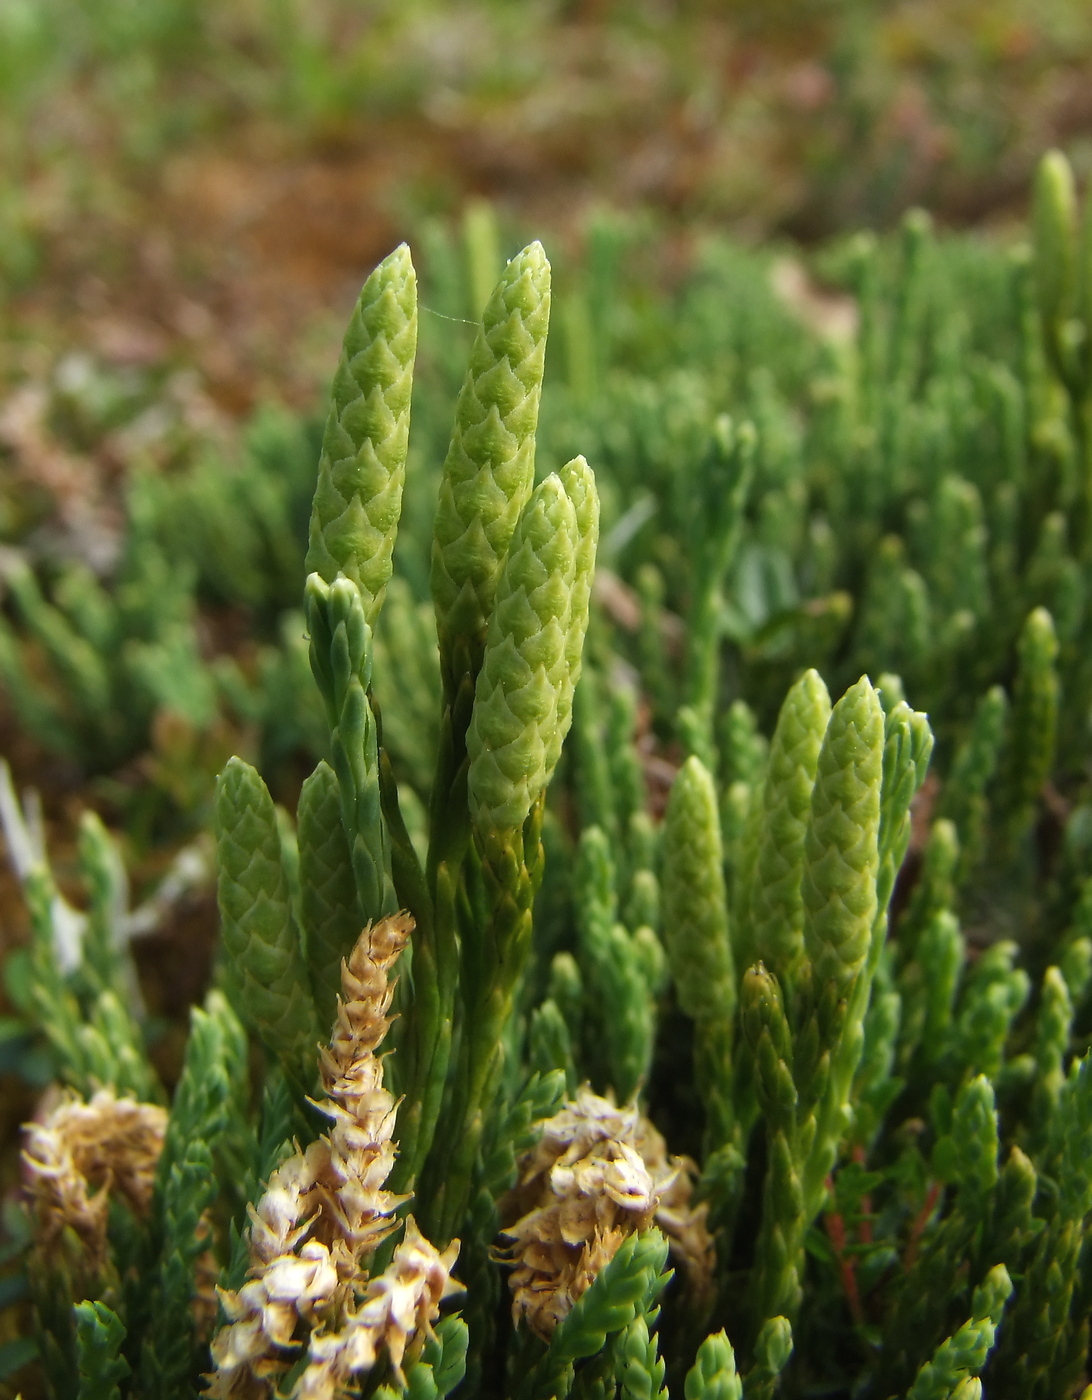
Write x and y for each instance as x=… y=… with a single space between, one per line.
x=1080 y=404
x=511 y=871
x=701 y=652
x=430 y=1015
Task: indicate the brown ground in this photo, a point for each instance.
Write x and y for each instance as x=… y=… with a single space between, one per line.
x=240 y=249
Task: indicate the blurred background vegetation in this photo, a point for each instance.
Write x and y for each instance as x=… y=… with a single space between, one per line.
x=197 y=182
x=191 y=193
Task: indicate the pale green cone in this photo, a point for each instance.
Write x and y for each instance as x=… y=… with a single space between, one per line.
x=362 y=469
x=870 y=767
x=1056 y=250
x=489 y=469
x=579 y=483
x=1034 y=720
x=841 y=844
x=776 y=1286
x=777 y=910
x=260 y=935
x=513 y=739
x=695 y=906
x=696 y=937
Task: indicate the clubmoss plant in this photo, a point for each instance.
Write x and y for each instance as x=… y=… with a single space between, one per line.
x=731 y=1052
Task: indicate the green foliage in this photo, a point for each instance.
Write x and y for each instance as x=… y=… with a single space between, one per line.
x=622 y=1293
x=851 y=987
x=100 y=1335
x=100 y=668
x=80 y=984
x=620 y=1007
x=965 y=1353
x=186 y=1188
x=696 y=934
x=713 y=1375
x=111 y=660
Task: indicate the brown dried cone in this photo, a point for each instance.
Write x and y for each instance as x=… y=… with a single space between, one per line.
x=597 y=1174
x=77 y=1161
x=405 y=1299
x=325 y=1211
x=82 y=1155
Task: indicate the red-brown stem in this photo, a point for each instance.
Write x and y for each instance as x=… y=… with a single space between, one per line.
x=847 y=1265
x=920 y=1222
x=864 y=1231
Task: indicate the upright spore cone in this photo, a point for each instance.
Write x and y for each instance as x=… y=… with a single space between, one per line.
x=489 y=469
x=841 y=851
x=695 y=902
x=578 y=481
x=777 y=912
x=512 y=738
x=362 y=469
